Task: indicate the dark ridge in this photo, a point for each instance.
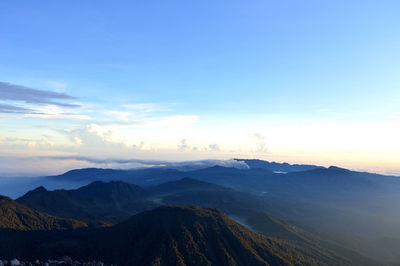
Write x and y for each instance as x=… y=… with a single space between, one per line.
x=176 y=235
x=14 y=215
x=98 y=203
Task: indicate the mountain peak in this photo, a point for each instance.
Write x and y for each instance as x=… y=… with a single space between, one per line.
x=40 y=189
x=191 y=235
x=179 y=214
x=219 y=167
x=339 y=169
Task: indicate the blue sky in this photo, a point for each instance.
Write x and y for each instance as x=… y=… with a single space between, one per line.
x=297 y=81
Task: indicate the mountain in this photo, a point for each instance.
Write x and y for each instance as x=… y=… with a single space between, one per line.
x=330 y=199
x=184 y=184
x=98 y=203
x=251 y=211
x=344 y=203
x=173 y=235
x=101 y=204
x=118 y=200
x=14 y=215
x=261 y=175
x=142 y=177
x=277 y=167
x=195 y=192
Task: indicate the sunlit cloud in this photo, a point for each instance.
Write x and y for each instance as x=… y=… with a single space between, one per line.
x=120 y=115
x=16 y=142
x=51 y=122
x=56 y=112
x=132 y=134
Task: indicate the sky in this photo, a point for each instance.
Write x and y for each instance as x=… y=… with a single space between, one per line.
x=298 y=81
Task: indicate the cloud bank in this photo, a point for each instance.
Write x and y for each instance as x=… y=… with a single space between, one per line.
x=53 y=165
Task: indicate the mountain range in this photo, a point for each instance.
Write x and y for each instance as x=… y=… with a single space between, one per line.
x=327 y=211
x=125 y=199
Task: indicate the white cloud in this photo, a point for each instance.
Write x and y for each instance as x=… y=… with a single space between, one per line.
x=183 y=145
x=56 y=112
x=128 y=133
x=77 y=141
x=261 y=142
x=120 y=115
x=17 y=142
x=214 y=147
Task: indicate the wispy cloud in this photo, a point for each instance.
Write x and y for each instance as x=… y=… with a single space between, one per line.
x=42 y=142
x=261 y=142
x=42 y=104
x=150 y=107
x=56 y=112
x=58 y=86
x=12 y=92
x=12 y=109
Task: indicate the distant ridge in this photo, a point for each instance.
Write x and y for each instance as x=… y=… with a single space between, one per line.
x=185 y=184
x=278 y=167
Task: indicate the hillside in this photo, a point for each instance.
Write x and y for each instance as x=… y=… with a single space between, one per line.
x=251 y=211
x=186 y=236
x=17 y=216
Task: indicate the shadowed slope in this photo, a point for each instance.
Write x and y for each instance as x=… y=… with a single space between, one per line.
x=174 y=235
x=17 y=216
x=97 y=202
